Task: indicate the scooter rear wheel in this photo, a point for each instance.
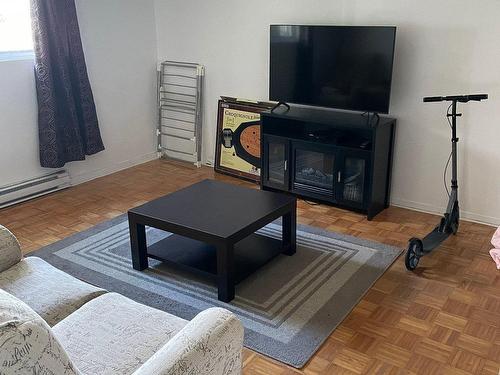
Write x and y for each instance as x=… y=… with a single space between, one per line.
x=413 y=254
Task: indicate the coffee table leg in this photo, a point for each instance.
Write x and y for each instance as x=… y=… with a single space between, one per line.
x=289 y=234
x=225 y=272
x=138 y=245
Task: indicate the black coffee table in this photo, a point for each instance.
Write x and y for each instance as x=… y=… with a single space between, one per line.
x=213 y=226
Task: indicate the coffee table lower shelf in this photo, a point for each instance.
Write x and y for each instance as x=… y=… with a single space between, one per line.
x=185 y=253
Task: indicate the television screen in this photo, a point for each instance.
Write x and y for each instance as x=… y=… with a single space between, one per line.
x=344 y=67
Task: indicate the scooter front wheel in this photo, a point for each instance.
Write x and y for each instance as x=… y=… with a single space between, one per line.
x=413 y=254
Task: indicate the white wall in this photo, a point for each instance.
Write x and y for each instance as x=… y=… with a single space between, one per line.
x=443 y=47
x=18 y=123
x=231 y=39
x=119 y=41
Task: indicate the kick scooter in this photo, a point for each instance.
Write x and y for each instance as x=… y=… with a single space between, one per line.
x=450 y=220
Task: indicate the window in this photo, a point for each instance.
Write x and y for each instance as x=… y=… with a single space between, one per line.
x=15 y=30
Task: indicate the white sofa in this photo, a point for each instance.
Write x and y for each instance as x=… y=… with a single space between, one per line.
x=52 y=323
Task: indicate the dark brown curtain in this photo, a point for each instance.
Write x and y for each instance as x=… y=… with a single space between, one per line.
x=67 y=118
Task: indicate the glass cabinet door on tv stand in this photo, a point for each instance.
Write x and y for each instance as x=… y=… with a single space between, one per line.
x=275 y=173
x=352 y=177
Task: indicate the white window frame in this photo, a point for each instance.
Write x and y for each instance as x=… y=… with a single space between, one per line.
x=17 y=55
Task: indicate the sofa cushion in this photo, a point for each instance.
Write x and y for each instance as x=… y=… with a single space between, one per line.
x=27 y=345
x=10 y=251
x=52 y=293
x=115 y=335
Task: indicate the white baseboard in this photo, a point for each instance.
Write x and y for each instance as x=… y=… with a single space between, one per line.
x=430 y=209
x=80 y=178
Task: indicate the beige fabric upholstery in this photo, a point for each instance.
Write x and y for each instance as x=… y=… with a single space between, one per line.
x=115 y=335
x=99 y=333
x=10 y=251
x=52 y=293
x=210 y=344
x=27 y=345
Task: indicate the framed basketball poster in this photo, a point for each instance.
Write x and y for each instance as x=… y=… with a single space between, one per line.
x=237 y=150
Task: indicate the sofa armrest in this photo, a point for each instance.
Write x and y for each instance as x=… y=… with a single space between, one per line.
x=27 y=343
x=210 y=344
x=10 y=250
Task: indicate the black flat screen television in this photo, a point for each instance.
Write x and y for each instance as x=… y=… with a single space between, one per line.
x=343 y=67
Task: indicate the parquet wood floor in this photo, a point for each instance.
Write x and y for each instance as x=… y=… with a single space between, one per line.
x=442 y=319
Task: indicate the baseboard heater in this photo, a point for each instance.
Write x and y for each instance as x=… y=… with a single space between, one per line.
x=35 y=187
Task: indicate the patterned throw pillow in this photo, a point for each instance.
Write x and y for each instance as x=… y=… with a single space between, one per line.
x=10 y=251
x=27 y=345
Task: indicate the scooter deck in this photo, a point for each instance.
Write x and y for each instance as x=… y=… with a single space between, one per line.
x=434 y=239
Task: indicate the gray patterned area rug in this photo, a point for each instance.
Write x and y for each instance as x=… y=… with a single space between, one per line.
x=288 y=307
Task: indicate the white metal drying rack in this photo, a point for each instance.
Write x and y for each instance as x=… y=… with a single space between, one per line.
x=180 y=89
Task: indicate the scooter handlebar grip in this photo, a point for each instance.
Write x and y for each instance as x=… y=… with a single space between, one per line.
x=478 y=97
x=429 y=99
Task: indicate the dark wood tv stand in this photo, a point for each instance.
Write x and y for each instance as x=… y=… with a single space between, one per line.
x=335 y=157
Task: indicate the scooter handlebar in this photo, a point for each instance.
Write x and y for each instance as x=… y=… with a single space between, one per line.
x=457 y=98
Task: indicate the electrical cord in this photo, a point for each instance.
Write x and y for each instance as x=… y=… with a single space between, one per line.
x=449 y=157
x=369 y=119
x=444 y=175
x=448 y=115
